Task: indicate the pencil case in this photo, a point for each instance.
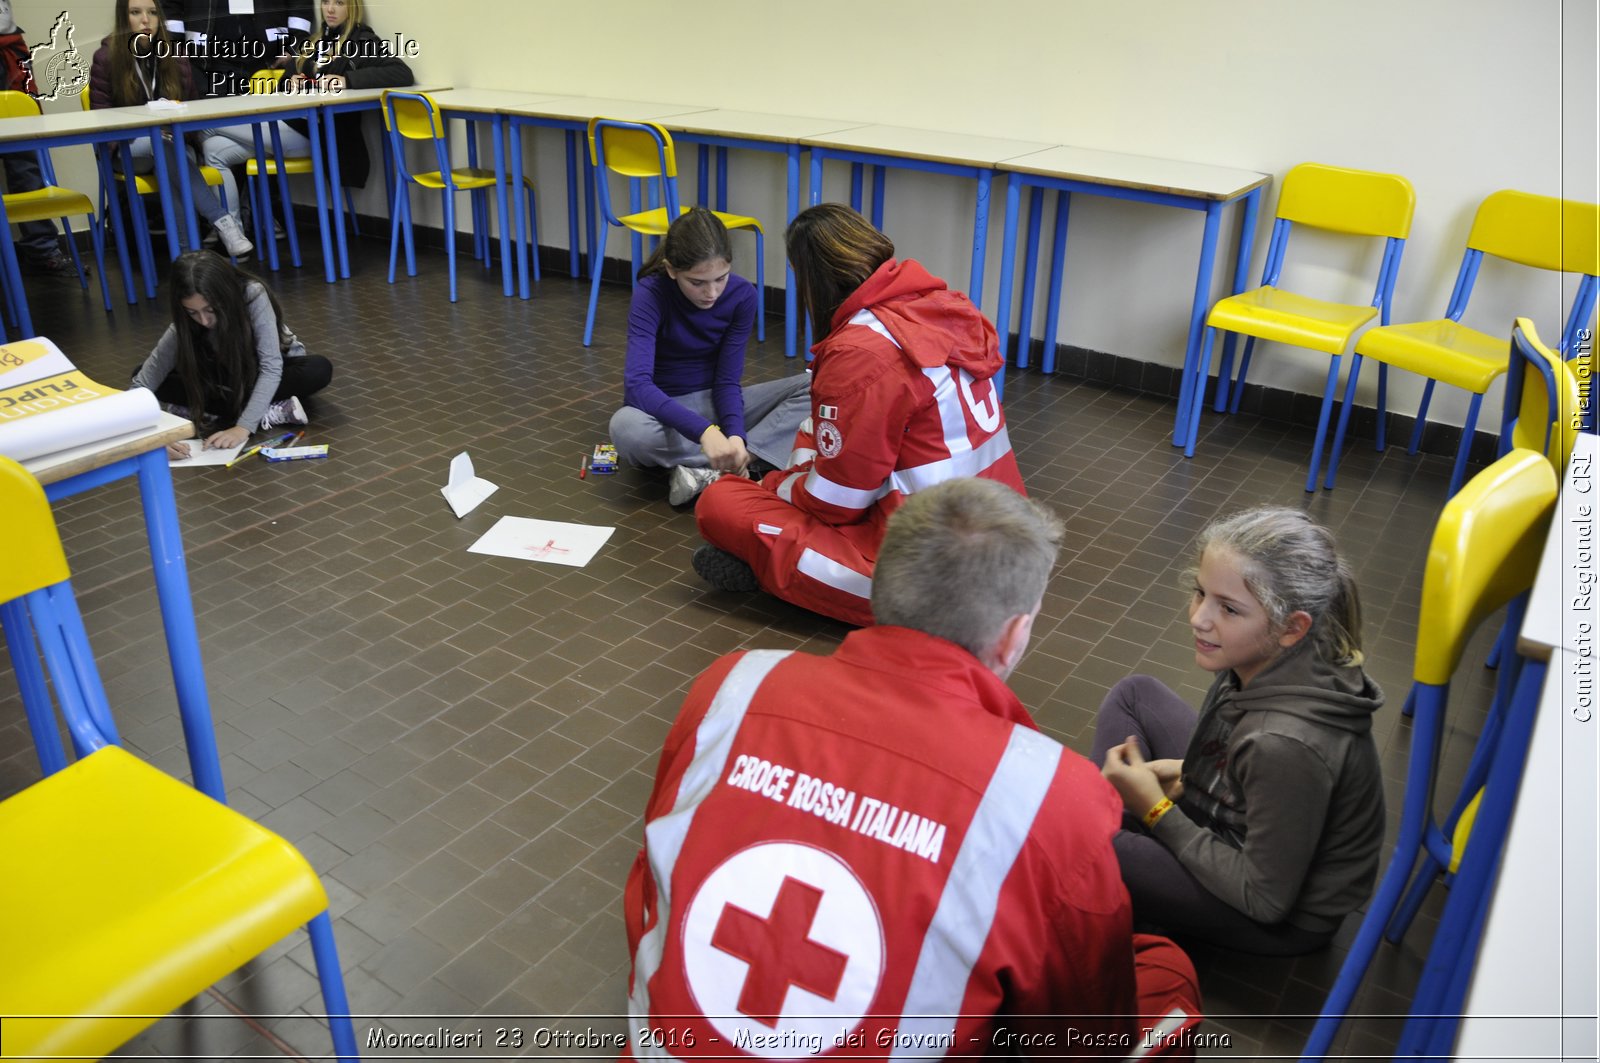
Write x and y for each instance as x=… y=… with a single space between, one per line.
x=295 y=453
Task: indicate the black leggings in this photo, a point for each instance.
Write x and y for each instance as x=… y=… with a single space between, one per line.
x=302 y=376
x=1165 y=894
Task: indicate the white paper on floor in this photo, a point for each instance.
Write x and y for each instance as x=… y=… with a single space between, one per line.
x=543 y=540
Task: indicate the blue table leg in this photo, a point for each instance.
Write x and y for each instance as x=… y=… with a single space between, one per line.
x=1197 y=316
x=980 y=236
x=141 y=225
x=1008 y=254
x=113 y=207
x=791 y=301
x=879 y=183
x=158 y=155
x=591 y=204
x=180 y=157
x=13 y=277
x=722 y=178
x=499 y=129
x=1030 y=274
x=177 y=617
x=702 y=174
x=262 y=200
x=1241 y=265
x=286 y=194
x=519 y=208
x=856 y=172
x=319 y=173
x=30 y=681
x=331 y=147
x=817 y=156
x=574 y=238
x=1058 y=270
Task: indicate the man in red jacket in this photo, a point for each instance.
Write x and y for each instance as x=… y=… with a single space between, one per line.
x=876 y=854
x=902 y=398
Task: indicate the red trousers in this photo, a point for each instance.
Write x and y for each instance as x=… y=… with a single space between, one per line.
x=822 y=567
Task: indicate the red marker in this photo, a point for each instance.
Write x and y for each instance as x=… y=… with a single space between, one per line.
x=583 y=468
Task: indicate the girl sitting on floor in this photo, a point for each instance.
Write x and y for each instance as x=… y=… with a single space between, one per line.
x=227 y=361
x=1266 y=833
x=684 y=407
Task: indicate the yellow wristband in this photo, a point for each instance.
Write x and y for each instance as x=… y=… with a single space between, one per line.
x=1162 y=807
x=709 y=427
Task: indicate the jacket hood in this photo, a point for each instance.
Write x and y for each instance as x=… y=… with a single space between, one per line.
x=933 y=325
x=1301 y=683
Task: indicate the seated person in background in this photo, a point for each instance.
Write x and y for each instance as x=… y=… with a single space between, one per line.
x=684 y=408
x=344 y=53
x=902 y=398
x=38 y=247
x=880 y=842
x=227 y=361
x=137 y=63
x=232 y=39
x=1267 y=832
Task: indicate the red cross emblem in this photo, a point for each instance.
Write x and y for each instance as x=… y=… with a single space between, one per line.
x=780 y=951
x=782 y=938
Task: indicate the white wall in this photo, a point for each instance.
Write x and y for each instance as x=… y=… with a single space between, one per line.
x=1463 y=97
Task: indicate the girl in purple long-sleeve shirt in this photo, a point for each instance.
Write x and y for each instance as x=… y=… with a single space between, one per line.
x=685 y=408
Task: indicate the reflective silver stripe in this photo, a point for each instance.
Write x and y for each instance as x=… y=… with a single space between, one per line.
x=786 y=488
x=299 y=23
x=664 y=837
x=823 y=489
x=969 y=463
x=966 y=912
x=951 y=417
x=175 y=26
x=869 y=319
x=769 y=529
x=839 y=577
x=800 y=456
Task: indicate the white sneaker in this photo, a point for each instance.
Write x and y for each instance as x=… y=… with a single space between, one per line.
x=233 y=238
x=284 y=411
x=686 y=483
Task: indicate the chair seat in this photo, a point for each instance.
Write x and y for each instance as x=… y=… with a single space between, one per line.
x=1286 y=317
x=297 y=165
x=145 y=184
x=50 y=201
x=654 y=222
x=465 y=178
x=112 y=864
x=1444 y=350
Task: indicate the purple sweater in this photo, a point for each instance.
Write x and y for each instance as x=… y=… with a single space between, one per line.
x=675 y=348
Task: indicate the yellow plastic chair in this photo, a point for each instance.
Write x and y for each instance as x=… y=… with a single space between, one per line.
x=126 y=892
x=1355 y=202
x=268 y=81
x=1484 y=553
x=643 y=152
x=415 y=116
x=1543 y=232
x=52 y=202
x=1543 y=405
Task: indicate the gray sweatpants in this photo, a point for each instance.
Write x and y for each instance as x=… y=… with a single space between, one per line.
x=773 y=411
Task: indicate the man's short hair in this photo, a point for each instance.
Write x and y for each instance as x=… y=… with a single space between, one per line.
x=963 y=557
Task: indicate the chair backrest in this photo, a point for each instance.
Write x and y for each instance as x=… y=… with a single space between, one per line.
x=638 y=151
x=1542 y=232
x=1485 y=551
x=28 y=539
x=14 y=104
x=1348 y=201
x=266 y=80
x=413 y=115
x=1539 y=231
x=1543 y=408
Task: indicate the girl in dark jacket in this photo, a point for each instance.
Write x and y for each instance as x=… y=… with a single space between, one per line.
x=138 y=63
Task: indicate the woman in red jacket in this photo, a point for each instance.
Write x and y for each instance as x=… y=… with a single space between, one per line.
x=902 y=398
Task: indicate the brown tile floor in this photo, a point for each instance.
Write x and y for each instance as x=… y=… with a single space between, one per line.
x=462 y=744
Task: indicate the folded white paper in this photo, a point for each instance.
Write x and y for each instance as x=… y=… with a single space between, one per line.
x=466 y=490
x=200 y=454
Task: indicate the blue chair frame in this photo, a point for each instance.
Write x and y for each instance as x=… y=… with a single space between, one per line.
x=46 y=623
